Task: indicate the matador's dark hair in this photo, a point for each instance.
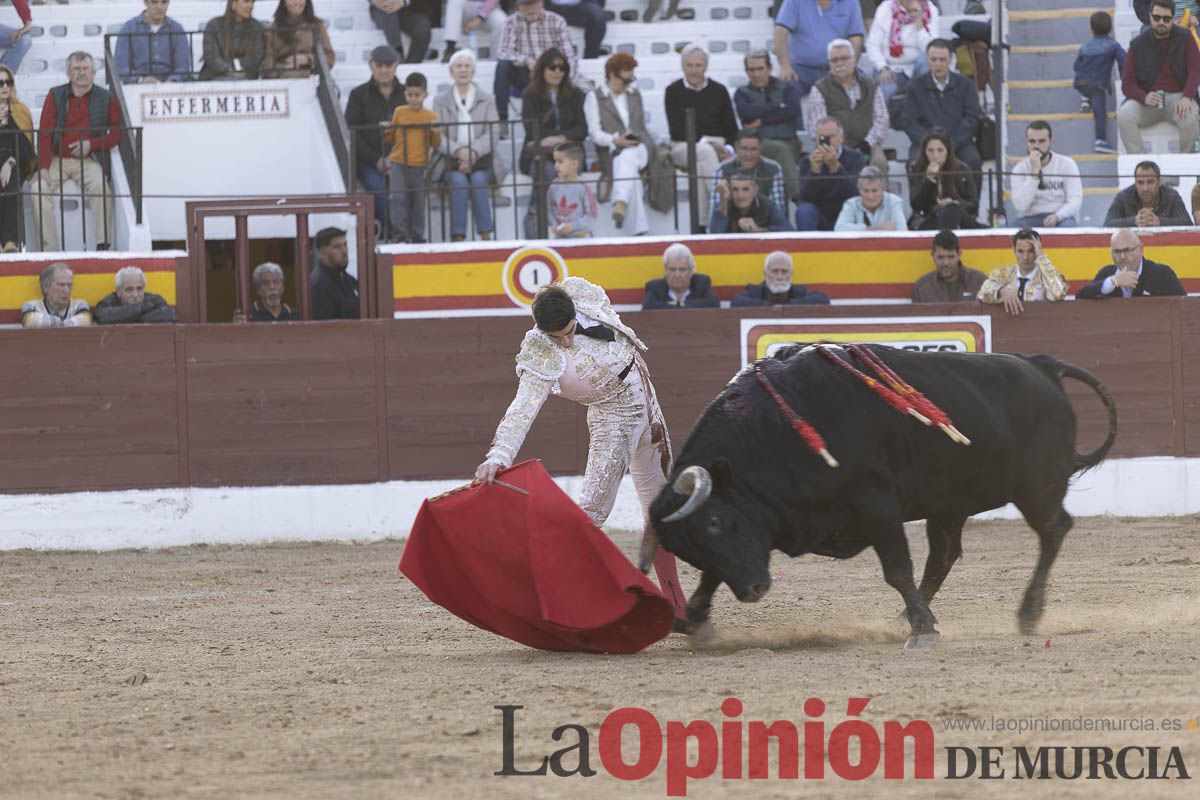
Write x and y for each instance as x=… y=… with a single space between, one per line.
x=553 y=308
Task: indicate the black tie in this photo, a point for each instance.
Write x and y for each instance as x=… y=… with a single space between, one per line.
x=1021 y=288
x=596 y=332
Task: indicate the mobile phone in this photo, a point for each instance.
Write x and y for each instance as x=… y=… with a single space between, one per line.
x=823 y=140
x=632 y=136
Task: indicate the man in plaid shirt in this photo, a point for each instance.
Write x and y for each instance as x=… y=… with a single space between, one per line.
x=750 y=159
x=527 y=34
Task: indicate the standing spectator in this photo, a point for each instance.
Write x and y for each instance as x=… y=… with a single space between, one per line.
x=412 y=137
x=293 y=37
x=469 y=140
x=743 y=211
x=772 y=106
x=66 y=154
x=1147 y=203
x=334 y=292
x=777 y=289
x=951 y=281
x=15 y=42
x=572 y=203
x=397 y=17
x=152 y=47
x=715 y=123
x=828 y=178
x=466 y=17
x=56 y=308
x=749 y=159
x=371 y=103
x=553 y=107
x=1162 y=73
x=900 y=31
x=1131 y=274
x=944 y=99
x=234 y=44
x=940 y=187
x=803 y=31
x=1046 y=189
x=1093 y=75
x=875 y=208
x=681 y=286
x=131 y=303
x=617 y=126
x=17 y=160
x=586 y=14
x=1032 y=278
x=527 y=35
x=854 y=100
x=268 y=285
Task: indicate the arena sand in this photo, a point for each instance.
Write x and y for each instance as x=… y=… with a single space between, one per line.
x=312 y=671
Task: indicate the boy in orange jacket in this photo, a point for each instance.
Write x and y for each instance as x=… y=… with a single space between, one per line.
x=412 y=140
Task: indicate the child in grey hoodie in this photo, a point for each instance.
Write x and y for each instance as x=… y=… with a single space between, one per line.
x=571 y=202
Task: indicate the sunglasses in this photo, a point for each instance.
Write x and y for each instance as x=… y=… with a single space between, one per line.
x=7 y=82
x=1161 y=17
x=557 y=67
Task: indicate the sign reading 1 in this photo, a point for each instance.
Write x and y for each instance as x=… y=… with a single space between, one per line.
x=529 y=269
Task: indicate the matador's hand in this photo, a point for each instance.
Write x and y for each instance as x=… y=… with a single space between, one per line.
x=486 y=473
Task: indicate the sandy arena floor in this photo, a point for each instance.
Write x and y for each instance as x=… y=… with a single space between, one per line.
x=317 y=671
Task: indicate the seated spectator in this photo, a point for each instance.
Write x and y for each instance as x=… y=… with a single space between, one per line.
x=1160 y=79
x=1046 y=189
x=74 y=140
x=371 y=103
x=586 y=14
x=828 y=178
x=773 y=107
x=269 y=307
x=292 y=40
x=527 y=35
x=467 y=16
x=875 y=208
x=940 y=187
x=1196 y=200
x=1032 y=278
x=552 y=112
x=854 y=100
x=1093 y=75
x=900 y=31
x=572 y=203
x=715 y=123
x=234 y=44
x=749 y=158
x=334 y=292
x=777 y=289
x=467 y=112
x=56 y=308
x=617 y=126
x=413 y=136
x=152 y=47
x=131 y=303
x=17 y=160
x=744 y=211
x=1131 y=274
x=1147 y=203
x=681 y=286
x=951 y=281
x=946 y=100
x=397 y=17
x=803 y=31
x=15 y=42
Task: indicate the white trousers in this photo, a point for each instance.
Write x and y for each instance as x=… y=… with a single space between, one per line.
x=627 y=186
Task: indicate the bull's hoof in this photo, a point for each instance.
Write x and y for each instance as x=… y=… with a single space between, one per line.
x=701 y=635
x=921 y=641
x=1027 y=625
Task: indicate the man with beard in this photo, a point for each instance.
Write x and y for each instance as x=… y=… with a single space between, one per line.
x=334 y=290
x=951 y=281
x=1046 y=189
x=1160 y=79
x=778 y=289
x=269 y=307
x=1147 y=203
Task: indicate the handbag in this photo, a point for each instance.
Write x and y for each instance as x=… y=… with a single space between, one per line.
x=529 y=152
x=435 y=170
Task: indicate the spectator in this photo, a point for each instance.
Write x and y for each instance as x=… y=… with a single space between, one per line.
x=370 y=104
x=527 y=35
x=152 y=47
x=17 y=160
x=827 y=178
x=1161 y=75
x=1032 y=278
x=586 y=14
x=1046 y=189
x=334 y=290
x=743 y=211
x=412 y=135
x=15 y=42
x=131 y=303
x=854 y=100
x=468 y=16
x=468 y=112
x=1196 y=200
x=1131 y=274
x=951 y=281
x=66 y=154
x=268 y=284
x=572 y=204
x=397 y=17
x=56 y=308
x=944 y=99
x=803 y=31
x=875 y=208
x=1093 y=75
x=749 y=159
x=234 y=44
x=552 y=107
x=681 y=286
x=773 y=107
x=777 y=289
x=940 y=187
x=1147 y=203
x=292 y=40
x=617 y=126
x=900 y=32
x=715 y=123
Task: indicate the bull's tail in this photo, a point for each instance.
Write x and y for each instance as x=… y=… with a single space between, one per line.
x=1085 y=461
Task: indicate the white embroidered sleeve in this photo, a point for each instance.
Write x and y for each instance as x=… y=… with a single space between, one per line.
x=532 y=391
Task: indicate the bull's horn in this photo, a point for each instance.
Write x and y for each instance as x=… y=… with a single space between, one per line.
x=648 y=550
x=696 y=483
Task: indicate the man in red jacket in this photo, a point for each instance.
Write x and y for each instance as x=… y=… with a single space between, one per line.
x=15 y=42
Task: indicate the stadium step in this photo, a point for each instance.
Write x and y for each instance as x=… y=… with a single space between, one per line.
x=1050 y=26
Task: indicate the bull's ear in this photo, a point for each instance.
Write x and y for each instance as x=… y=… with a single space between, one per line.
x=722 y=474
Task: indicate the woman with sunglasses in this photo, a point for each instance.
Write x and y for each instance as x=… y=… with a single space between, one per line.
x=554 y=108
x=16 y=159
x=234 y=43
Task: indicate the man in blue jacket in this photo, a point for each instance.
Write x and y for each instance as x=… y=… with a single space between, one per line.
x=828 y=178
x=681 y=286
x=944 y=99
x=152 y=47
x=772 y=107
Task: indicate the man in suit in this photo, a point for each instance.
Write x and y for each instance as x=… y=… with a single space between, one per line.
x=1131 y=274
x=944 y=99
x=778 y=289
x=681 y=286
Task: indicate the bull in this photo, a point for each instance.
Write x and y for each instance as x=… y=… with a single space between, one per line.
x=745 y=483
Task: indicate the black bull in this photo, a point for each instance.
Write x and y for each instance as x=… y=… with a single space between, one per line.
x=747 y=484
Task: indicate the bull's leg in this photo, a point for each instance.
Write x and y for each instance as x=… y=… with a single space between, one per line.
x=945 y=547
x=1050 y=531
x=887 y=537
x=699 y=628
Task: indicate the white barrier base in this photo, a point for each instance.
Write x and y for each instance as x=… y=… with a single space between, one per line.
x=1135 y=487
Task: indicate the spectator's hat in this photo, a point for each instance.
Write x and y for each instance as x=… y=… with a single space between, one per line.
x=384 y=55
